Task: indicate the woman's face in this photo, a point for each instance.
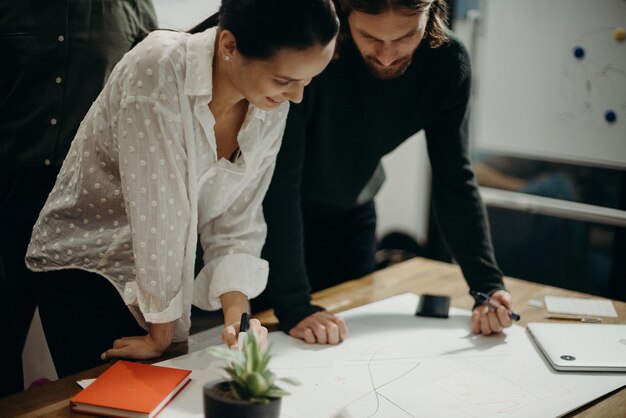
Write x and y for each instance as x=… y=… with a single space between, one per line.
x=266 y=83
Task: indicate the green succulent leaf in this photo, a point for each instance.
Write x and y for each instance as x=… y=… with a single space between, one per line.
x=290 y=380
x=263 y=362
x=251 y=380
x=223 y=352
x=276 y=392
x=259 y=400
x=257 y=383
x=269 y=377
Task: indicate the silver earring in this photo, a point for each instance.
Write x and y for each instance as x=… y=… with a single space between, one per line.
x=227 y=57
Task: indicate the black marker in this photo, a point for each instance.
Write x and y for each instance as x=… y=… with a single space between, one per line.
x=484 y=299
x=243 y=327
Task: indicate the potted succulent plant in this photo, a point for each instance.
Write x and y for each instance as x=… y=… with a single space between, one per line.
x=251 y=391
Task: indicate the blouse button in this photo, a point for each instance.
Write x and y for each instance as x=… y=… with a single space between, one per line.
x=53 y=121
x=58 y=80
x=61 y=38
x=46 y=161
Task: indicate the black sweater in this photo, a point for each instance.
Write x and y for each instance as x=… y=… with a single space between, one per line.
x=334 y=141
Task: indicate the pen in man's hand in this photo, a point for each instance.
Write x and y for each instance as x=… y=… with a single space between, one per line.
x=485 y=299
x=243 y=328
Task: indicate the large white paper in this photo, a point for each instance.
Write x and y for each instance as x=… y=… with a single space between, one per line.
x=395 y=364
x=580 y=306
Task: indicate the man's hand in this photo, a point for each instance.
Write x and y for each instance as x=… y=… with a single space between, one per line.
x=321 y=328
x=143 y=347
x=486 y=320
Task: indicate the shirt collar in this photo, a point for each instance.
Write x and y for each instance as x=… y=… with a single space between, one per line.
x=199 y=63
x=199 y=67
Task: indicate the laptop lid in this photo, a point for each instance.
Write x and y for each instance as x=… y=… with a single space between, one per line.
x=581 y=347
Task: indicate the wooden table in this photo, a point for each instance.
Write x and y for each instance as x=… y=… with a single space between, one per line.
x=417 y=276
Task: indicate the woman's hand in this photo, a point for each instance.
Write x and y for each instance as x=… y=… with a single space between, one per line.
x=143 y=347
x=231 y=332
x=233 y=305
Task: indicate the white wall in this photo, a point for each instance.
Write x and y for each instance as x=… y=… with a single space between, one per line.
x=403 y=202
x=183 y=14
x=36 y=358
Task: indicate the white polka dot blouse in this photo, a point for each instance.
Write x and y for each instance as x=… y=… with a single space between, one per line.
x=142 y=180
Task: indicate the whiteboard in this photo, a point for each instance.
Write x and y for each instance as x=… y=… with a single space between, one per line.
x=397 y=365
x=534 y=98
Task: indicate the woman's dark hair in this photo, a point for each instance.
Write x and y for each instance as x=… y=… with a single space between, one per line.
x=435 y=35
x=261 y=27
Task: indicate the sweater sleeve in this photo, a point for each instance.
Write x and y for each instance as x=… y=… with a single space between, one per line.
x=459 y=211
x=288 y=288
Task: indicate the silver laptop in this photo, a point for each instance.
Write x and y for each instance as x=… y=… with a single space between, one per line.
x=581 y=347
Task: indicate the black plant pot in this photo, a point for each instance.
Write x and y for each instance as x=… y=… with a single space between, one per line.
x=217 y=405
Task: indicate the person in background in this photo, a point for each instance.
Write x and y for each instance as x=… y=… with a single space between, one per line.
x=57 y=57
x=181 y=141
x=399 y=71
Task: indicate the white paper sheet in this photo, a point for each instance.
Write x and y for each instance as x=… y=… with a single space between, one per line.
x=580 y=306
x=85 y=382
x=395 y=364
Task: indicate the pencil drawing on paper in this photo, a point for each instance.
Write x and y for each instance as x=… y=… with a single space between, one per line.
x=414 y=380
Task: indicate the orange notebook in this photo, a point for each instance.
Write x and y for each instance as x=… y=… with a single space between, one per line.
x=131 y=390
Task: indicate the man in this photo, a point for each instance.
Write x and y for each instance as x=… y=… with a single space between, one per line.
x=57 y=57
x=398 y=72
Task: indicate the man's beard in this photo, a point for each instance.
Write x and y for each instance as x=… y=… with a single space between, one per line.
x=387 y=73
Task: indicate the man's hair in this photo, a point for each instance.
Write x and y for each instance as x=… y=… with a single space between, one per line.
x=435 y=34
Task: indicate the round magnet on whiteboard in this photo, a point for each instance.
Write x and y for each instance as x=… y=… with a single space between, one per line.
x=610 y=116
x=579 y=52
x=619 y=34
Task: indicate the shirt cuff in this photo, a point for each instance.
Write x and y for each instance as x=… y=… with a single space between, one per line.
x=243 y=273
x=172 y=312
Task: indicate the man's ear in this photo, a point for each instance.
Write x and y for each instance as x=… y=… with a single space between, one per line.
x=227 y=44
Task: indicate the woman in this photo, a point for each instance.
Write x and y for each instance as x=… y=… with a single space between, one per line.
x=182 y=140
